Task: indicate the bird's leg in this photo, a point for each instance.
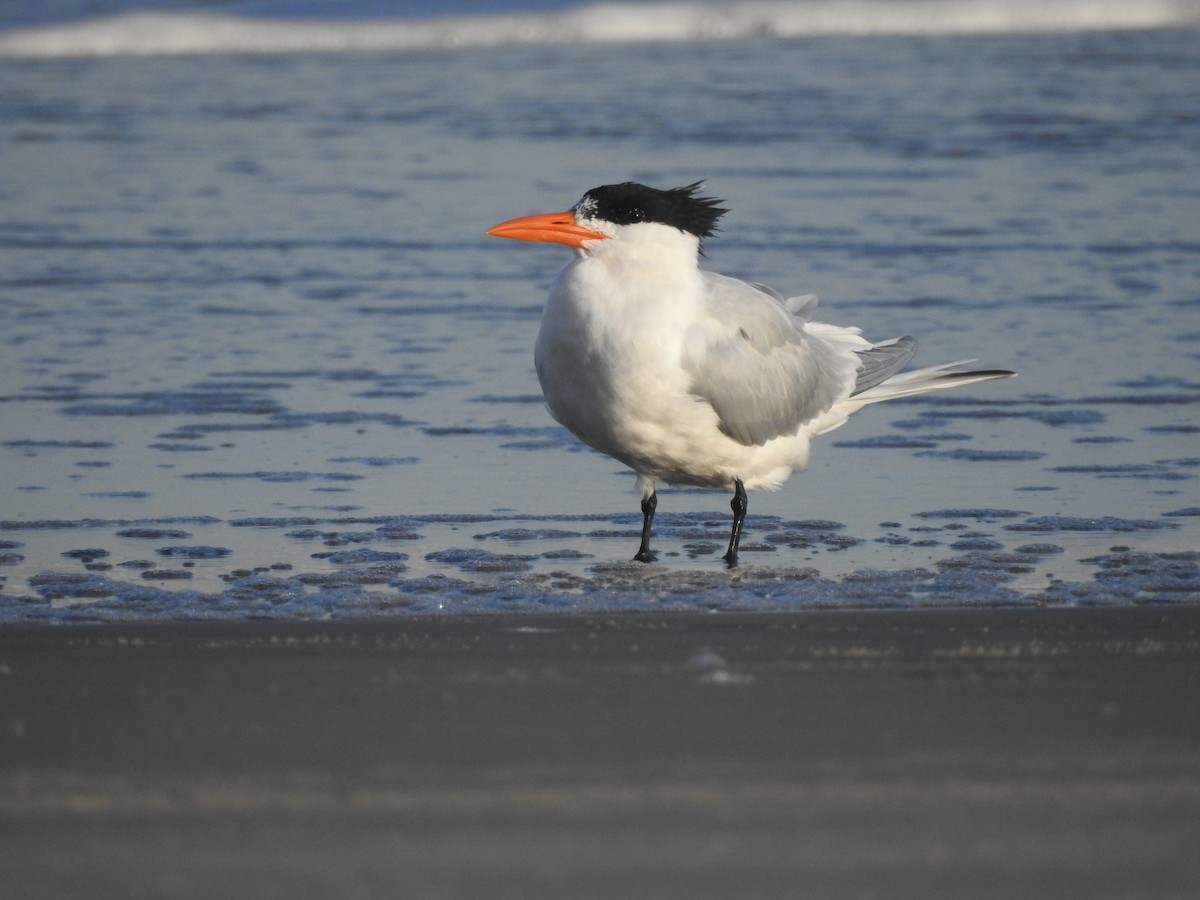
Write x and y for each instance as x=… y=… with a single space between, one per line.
x=649 y=504
x=738 y=505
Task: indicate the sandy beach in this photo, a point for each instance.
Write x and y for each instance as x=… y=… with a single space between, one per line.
x=952 y=753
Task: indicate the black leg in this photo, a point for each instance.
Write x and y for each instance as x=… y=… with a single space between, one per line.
x=649 y=504
x=738 y=505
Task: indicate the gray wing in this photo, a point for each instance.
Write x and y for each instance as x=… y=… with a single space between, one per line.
x=882 y=361
x=762 y=372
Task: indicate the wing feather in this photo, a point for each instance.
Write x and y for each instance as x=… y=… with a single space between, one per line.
x=883 y=360
x=764 y=371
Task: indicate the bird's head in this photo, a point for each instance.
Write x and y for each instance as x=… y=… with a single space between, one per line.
x=621 y=212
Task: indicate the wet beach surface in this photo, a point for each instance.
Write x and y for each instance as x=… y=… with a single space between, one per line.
x=938 y=753
x=258 y=358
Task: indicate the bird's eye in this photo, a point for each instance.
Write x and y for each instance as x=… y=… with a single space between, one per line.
x=637 y=215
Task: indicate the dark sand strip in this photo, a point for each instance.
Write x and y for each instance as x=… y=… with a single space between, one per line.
x=959 y=754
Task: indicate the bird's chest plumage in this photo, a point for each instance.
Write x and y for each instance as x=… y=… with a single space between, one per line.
x=608 y=351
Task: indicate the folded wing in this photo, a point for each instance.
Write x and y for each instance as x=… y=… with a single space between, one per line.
x=764 y=370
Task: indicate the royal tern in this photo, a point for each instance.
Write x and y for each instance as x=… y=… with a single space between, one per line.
x=688 y=376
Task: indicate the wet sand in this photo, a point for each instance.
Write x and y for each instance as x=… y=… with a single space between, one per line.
x=952 y=753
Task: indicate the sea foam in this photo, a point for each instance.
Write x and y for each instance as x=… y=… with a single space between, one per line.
x=163 y=34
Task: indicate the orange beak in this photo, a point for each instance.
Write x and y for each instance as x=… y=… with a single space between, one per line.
x=558 y=228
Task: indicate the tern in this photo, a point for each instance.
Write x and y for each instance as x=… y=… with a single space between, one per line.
x=690 y=377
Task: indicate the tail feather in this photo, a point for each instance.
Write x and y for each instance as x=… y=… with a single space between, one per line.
x=932 y=378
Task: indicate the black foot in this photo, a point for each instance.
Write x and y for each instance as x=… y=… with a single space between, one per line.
x=649 y=504
x=738 y=505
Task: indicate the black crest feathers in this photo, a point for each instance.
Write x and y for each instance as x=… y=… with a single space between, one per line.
x=630 y=203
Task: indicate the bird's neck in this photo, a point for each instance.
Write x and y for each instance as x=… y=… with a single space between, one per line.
x=668 y=251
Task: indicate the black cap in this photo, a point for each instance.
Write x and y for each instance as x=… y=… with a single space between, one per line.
x=630 y=203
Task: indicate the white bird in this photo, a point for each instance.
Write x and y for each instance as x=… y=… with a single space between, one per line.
x=688 y=376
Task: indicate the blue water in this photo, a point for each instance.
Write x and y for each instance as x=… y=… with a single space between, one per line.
x=257 y=357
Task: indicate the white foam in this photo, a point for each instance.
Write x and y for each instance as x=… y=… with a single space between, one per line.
x=161 y=34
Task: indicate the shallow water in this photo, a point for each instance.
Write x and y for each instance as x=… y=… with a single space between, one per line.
x=259 y=359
